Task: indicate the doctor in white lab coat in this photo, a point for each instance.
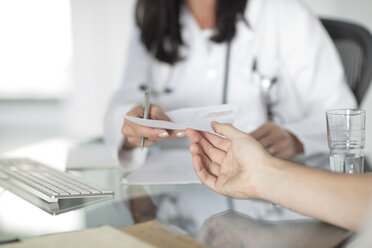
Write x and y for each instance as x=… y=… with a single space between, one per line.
x=279 y=54
x=278 y=45
x=277 y=41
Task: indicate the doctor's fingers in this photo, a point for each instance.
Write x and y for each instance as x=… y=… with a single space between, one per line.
x=263 y=130
x=157 y=113
x=267 y=141
x=136 y=111
x=275 y=135
x=282 y=150
x=274 y=142
x=176 y=133
x=132 y=129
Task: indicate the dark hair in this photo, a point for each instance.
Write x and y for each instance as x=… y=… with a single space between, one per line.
x=160 y=26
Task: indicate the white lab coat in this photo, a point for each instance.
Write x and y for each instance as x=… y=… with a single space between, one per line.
x=289 y=43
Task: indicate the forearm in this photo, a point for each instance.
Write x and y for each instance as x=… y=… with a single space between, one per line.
x=340 y=199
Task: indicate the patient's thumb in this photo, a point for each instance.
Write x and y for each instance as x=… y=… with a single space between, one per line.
x=226 y=130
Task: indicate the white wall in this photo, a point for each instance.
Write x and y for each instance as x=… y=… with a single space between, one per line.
x=100 y=30
x=358 y=11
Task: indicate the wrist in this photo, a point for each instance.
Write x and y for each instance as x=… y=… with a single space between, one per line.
x=264 y=180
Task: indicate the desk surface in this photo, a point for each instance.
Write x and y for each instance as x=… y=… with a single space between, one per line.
x=203 y=214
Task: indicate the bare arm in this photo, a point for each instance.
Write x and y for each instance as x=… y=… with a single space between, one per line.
x=239 y=166
x=340 y=199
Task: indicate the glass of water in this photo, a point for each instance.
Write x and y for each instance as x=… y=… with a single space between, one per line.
x=346 y=135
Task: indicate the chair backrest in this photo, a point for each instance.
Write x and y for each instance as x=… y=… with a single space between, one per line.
x=354 y=44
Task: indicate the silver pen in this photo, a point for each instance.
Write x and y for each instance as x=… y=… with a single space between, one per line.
x=146 y=110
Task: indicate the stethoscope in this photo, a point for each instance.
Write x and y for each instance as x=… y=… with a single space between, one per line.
x=167 y=89
x=266 y=83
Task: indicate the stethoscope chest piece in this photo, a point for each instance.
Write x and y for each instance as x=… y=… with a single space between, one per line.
x=266 y=84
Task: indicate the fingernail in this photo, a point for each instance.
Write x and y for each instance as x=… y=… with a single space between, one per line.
x=163 y=135
x=180 y=134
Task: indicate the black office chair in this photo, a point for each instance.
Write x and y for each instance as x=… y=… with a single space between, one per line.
x=354 y=44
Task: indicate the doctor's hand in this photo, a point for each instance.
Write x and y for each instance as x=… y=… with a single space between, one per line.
x=278 y=141
x=133 y=132
x=231 y=166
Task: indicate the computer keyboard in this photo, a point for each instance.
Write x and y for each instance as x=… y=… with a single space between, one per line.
x=45 y=182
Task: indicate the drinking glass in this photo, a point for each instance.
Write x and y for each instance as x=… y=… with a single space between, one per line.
x=346 y=139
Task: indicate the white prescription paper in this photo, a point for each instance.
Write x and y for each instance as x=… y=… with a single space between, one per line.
x=195 y=118
x=165 y=167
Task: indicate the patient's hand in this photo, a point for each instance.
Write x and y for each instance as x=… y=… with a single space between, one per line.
x=133 y=132
x=278 y=141
x=231 y=166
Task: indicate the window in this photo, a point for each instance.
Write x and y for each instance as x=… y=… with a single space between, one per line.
x=35 y=49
